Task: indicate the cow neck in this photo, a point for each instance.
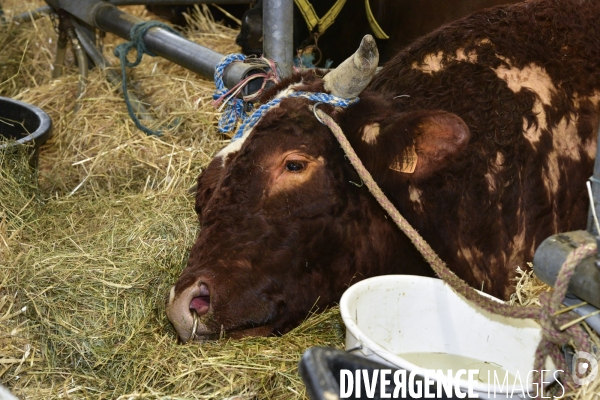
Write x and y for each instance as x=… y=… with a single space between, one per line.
x=554 y=327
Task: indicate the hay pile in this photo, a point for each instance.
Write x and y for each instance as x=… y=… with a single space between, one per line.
x=92 y=251
x=88 y=253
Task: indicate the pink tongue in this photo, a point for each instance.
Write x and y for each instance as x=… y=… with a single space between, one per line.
x=200 y=304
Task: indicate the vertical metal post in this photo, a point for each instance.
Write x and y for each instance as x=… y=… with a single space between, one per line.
x=595 y=179
x=278 y=22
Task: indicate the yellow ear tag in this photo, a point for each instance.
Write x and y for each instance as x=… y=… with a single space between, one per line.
x=407 y=162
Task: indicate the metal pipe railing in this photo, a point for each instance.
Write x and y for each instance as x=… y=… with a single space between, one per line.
x=161 y=42
x=29 y=16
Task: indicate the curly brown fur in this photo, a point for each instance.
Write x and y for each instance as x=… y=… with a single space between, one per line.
x=501 y=110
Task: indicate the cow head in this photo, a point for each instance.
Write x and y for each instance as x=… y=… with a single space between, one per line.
x=285 y=224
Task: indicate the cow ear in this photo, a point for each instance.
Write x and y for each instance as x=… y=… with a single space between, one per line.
x=411 y=145
x=439 y=137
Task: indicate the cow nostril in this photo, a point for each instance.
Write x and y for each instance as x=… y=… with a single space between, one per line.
x=201 y=303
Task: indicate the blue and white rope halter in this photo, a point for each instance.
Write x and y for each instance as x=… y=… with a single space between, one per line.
x=234 y=107
x=316 y=97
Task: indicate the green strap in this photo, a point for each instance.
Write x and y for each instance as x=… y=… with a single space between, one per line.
x=311 y=18
x=377 y=31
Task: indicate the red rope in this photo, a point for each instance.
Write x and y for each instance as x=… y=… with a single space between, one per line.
x=270 y=76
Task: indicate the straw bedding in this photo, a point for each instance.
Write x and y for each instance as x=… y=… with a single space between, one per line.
x=90 y=245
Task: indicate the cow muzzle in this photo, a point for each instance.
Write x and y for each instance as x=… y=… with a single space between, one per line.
x=185 y=310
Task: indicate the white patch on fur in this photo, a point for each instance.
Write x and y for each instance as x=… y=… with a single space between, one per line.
x=232 y=147
x=433 y=62
x=370 y=133
x=536 y=79
x=568 y=144
x=462 y=56
x=415 y=198
x=532 y=77
x=288 y=90
x=415 y=194
x=589 y=147
x=595 y=99
x=565 y=143
x=499 y=159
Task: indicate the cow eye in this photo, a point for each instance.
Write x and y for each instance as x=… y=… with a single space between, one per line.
x=294 y=166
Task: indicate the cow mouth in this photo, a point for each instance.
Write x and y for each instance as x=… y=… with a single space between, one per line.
x=197 y=334
x=201 y=332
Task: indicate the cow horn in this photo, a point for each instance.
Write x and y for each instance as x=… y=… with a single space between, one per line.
x=354 y=74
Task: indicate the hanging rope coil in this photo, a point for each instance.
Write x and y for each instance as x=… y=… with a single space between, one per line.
x=136 y=34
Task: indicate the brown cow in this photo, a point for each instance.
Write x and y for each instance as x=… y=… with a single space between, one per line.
x=501 y=110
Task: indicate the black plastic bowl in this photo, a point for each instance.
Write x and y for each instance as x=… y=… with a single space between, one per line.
x=23 y=124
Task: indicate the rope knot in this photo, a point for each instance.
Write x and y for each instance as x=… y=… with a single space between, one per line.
x=556 y=329
x=228 y=98
x=136 y=33
x=234 y=107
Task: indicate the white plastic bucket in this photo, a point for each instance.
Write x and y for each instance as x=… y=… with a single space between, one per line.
x=390 y=316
